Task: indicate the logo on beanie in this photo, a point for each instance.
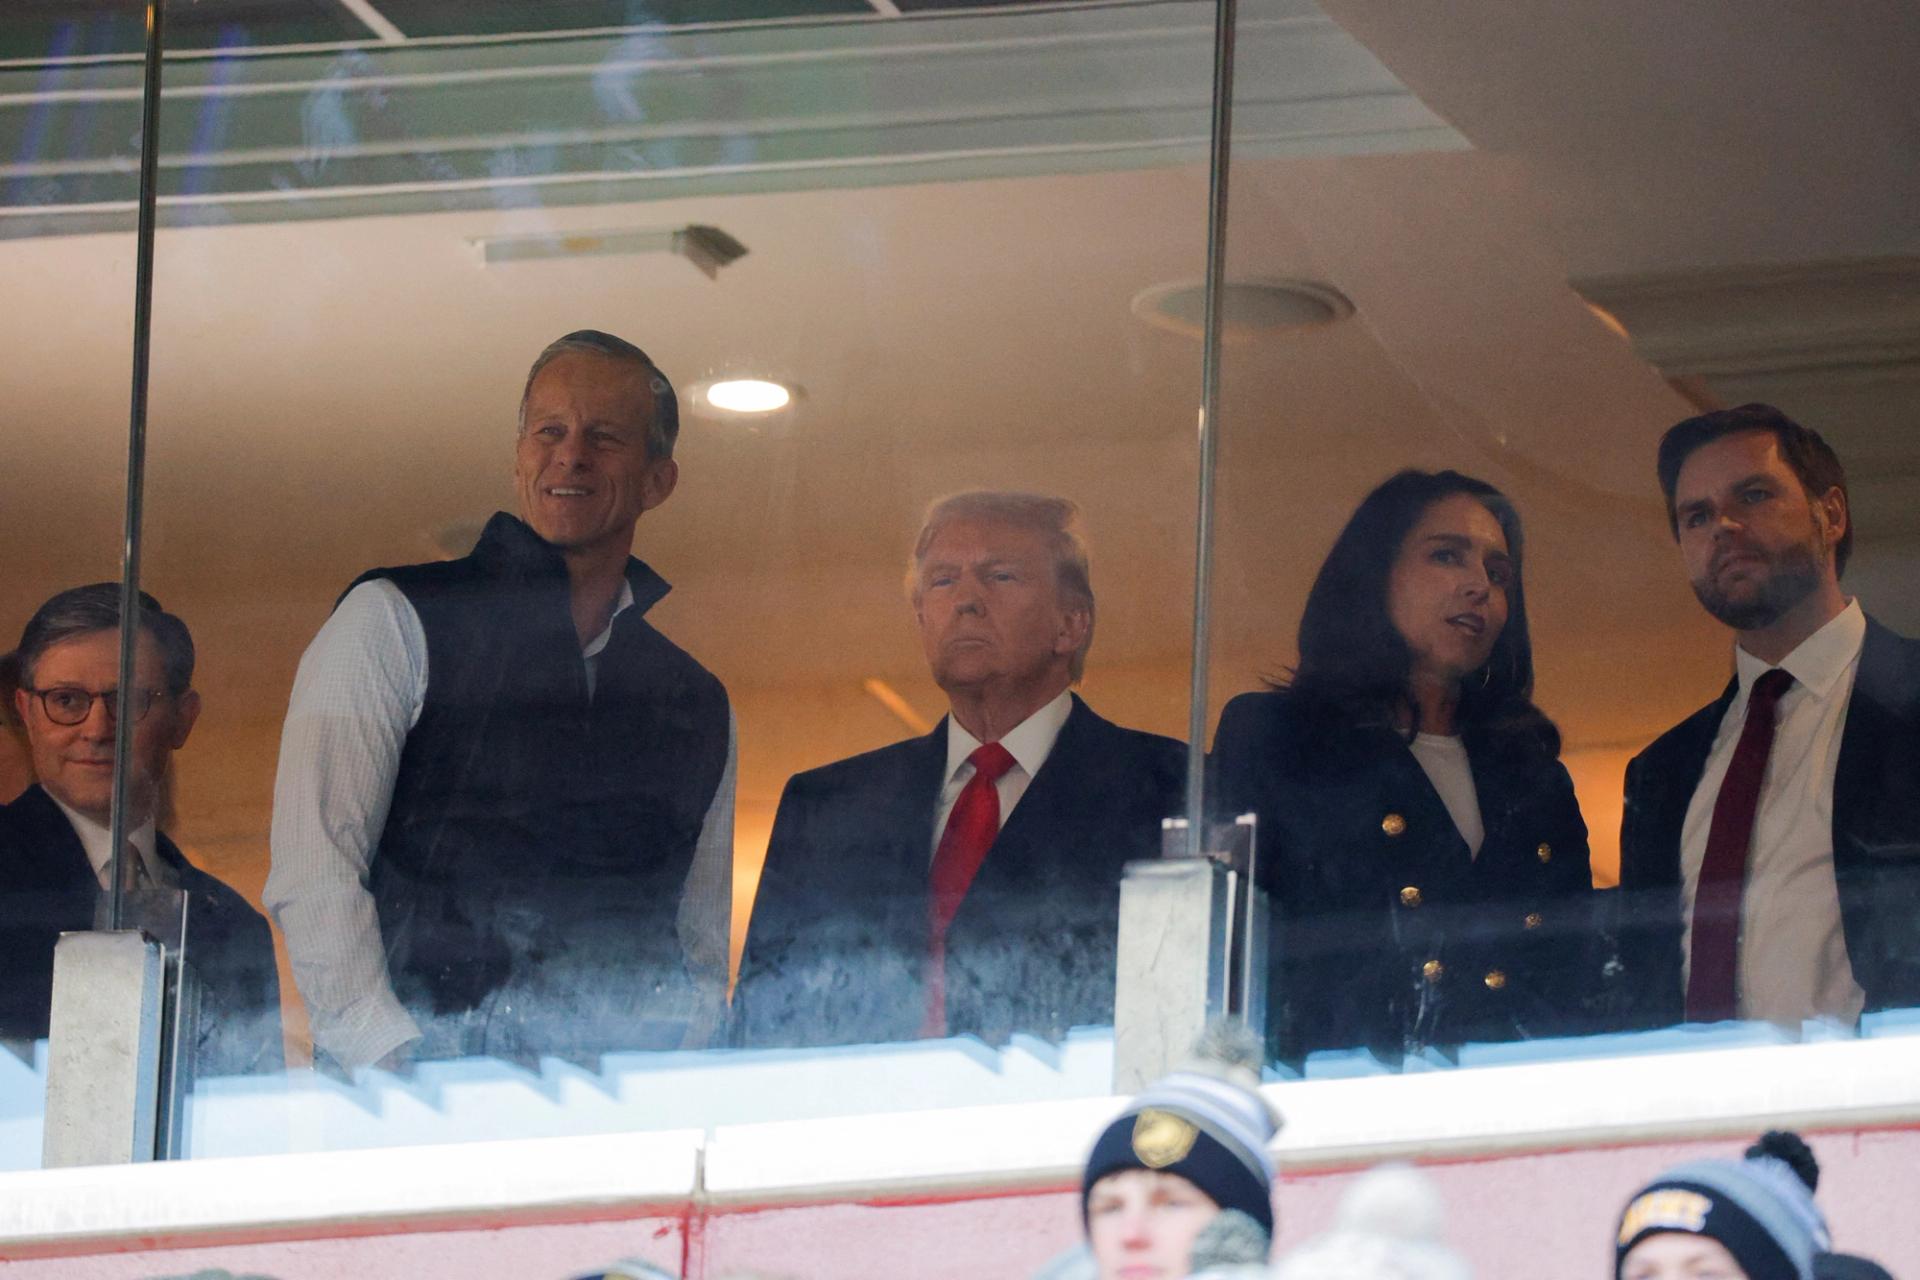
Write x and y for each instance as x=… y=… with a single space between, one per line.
x=1161 y=1138
x=1666 y=1210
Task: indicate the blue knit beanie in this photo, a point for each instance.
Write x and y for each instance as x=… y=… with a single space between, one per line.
x=1759 y=1208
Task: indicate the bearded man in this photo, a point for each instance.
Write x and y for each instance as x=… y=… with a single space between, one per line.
x=1770 y=849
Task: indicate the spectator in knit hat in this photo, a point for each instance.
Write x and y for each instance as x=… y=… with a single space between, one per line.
x=1184 y=1155
x=1748 y=1219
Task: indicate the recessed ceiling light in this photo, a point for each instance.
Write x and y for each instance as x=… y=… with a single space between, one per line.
x=1248 y=308
x=747 y=395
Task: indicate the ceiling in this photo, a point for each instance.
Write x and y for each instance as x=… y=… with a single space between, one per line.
x=335 y=392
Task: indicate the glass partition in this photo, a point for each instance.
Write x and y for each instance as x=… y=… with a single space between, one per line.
x=876 y=332
x=1530 y=299
x=69 y=138
x=510 y=810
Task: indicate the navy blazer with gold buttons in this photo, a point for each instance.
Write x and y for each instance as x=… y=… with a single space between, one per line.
x=1876 y=838
x=1389 y=934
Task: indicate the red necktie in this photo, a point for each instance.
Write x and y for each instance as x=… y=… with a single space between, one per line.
x=1723 y=874
x=971 y=829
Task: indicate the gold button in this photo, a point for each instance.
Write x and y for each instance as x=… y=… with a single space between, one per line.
x=1432 y=970
x=1495 y=979
x=1545 y=852
x=1393 y=824
x=1410 y=896
x=1533 y=920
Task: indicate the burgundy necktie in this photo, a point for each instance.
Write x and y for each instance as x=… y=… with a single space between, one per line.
x=970 y=832
x=1723 y=873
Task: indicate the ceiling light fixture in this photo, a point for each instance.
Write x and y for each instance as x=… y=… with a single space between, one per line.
x=747 y=395
x=1248 y=308
x=708 y=248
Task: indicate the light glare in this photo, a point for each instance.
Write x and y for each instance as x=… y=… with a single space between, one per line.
x=748 y=395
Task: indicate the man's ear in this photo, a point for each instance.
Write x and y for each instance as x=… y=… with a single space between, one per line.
x=663 y=477
x=1833 y=505
x=1075 y=622
x=186 y=710
x=21 y=701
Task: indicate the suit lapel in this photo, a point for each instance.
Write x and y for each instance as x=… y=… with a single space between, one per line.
x=911 y=803
x=54 y=857
x=1872 y=720
x=1675 y=777
x=1055 y=803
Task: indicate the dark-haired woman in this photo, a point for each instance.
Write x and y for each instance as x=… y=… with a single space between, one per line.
x=1416 y=830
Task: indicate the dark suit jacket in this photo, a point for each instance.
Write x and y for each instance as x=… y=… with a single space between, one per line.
x=838 y=940
x=1876 y=838
x=47 y=887
x=1388 y=934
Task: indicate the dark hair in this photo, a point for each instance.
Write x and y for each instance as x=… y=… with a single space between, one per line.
x=1812 y=458
x=1354 y=663
x=82 y=611
x=663 y=424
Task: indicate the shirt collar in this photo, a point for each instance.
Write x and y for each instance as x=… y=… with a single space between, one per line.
x=1819 y=661
x=97 y=840
x=599 y=642
x=1029 y=743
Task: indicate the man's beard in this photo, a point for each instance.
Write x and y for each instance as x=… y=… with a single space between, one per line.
x=1792 y=574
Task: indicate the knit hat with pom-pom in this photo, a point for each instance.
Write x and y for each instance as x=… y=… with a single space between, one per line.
x=1388 y=1227
x=1759 y=1208
x=1206 y=1121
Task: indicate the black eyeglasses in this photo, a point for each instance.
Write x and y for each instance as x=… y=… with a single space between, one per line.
x=70 y=705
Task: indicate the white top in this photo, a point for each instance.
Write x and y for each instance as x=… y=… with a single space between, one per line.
x=360 y=689
x=1444 y=759
x=1029 y=743
x=97 y=839
x=1796 y=967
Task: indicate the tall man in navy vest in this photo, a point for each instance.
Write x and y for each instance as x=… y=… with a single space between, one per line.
x=503 y=819
x=1770 y=852
x=967 y=881
x=56 y=843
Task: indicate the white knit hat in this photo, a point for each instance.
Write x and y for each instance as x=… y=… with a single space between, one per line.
x=1388 y=1227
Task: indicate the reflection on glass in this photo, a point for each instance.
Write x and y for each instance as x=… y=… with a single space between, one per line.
x=69 y=144
x=508 y=821
x=1536 y=306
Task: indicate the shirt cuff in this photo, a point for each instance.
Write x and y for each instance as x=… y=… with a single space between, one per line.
x=374 y=1028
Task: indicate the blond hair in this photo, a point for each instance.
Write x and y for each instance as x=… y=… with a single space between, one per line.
x=1057 y=520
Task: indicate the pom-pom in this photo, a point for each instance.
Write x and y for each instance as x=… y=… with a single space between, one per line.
x=1393 y=1200
x=1229 y=1043
x=1227 y=1050
x=1791 y=1150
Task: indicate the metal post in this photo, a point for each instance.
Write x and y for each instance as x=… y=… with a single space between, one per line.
x=1226 y=14
x=136 y=455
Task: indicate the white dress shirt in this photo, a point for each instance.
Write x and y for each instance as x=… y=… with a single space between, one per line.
x=97 y=839
x=1793 y=955
x=1444 y=760
x=1029 y=743
x=360 y=689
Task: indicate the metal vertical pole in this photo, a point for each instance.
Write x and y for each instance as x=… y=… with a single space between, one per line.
x=136 y=456
x=1226 y=14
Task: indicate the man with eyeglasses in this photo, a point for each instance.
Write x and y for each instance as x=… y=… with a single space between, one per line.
x=56 y=856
